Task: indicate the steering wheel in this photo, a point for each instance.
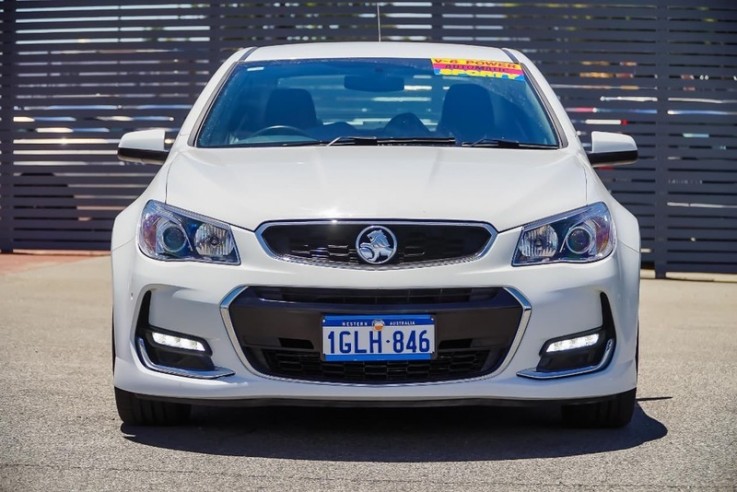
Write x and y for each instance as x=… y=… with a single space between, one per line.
x=279 y=130
x=406 y=124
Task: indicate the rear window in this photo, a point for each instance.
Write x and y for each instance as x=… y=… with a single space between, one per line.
x=306 y=102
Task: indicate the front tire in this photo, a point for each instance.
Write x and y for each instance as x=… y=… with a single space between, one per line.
x=616 y=412
x=135 y=410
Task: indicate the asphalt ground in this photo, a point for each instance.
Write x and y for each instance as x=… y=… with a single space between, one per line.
x=59 y=429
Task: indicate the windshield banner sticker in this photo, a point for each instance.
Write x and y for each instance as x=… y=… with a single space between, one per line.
x=478 y=68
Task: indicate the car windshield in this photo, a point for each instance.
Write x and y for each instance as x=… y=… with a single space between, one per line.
x=378 y=102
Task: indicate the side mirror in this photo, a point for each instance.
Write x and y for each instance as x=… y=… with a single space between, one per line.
x=611 y=149
x=146 y=146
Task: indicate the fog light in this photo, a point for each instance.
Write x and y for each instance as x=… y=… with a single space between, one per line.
x=177 y=342
x=573 y=343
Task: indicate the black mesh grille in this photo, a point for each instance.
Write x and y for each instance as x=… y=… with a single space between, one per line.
x=449 y=365
x=416 y=243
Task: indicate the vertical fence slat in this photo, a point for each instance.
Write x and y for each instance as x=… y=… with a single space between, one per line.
x=661 y=144
x=7 y=45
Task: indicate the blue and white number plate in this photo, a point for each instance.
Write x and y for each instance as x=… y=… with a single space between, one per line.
x=369 y=337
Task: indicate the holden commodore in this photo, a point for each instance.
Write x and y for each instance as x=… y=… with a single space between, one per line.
x=387 y=224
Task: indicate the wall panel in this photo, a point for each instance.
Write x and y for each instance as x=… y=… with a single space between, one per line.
x=76 y=75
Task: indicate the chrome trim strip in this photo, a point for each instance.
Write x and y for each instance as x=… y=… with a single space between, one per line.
x=368 y=223
x=535 y=374
x=524 y=320
x=230 y=329
x=218 y=372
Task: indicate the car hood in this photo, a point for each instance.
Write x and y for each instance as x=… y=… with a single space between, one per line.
x=504 y=187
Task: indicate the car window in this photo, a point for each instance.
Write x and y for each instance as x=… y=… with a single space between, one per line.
x=308 y=102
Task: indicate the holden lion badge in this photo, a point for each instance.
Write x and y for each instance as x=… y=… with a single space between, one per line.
x=376 y=245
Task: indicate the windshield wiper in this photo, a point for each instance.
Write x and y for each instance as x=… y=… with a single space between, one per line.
x=295 y=143
x=501 y=143
x=349 y=140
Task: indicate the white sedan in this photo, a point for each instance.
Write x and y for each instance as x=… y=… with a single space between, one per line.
x=388 y=224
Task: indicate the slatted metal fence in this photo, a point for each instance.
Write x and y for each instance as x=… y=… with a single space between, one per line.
x=77 y=74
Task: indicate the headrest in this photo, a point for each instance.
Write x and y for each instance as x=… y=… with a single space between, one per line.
x=290 y=107
x=468 y=113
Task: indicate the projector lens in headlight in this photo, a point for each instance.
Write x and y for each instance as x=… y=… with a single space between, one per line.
x=581 y=238
x=171 y=238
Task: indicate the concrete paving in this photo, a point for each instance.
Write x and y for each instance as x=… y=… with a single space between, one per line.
x=59 y=429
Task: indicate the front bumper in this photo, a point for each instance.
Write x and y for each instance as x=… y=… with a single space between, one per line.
x=193 y=298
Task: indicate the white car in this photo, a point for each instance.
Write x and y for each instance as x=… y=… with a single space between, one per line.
x=386 y=224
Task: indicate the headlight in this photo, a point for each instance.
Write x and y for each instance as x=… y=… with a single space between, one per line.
x=579 y=236
x=170 y=233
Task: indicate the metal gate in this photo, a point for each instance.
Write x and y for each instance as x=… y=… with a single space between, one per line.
x=77 y=74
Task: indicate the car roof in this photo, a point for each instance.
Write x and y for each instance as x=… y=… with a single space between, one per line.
x=377 y=50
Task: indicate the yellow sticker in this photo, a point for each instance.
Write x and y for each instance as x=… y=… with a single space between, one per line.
x=478 y=68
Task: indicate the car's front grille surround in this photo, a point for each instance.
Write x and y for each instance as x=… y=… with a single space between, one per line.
x=282 y=338
x=419 y=244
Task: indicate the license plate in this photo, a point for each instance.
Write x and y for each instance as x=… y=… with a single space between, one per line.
x=368 y=337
